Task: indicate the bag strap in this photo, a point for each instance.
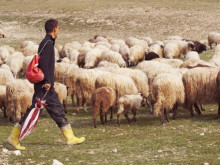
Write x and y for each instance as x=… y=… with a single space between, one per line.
x=44 y=46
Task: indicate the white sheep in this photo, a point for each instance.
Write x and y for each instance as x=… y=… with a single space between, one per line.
x=3 y=103
x=61 y=91
x=107 y=64
x=128 y=103
x=200 y=86
x=137 y=53
x=168 y=91
x=5 y=67
x=156 y=48
x=115 y=47
x=26 y=62
x=216 y=58
x=175 y=49
x=92 y=57
x=213 y=37
x=20 y=102
x=5 y=76
x=174 y=38
x=175 y=63
x=112 y=57
x=124 y=85
x=192 y=55
x=149 y=40
x=5 y=52
x=30 y=50
x=85 y=85
x=26 y=43
x=73 y=56
x=2 y=34
x=15 y=62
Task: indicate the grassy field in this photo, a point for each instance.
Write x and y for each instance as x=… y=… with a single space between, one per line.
x=186 y=140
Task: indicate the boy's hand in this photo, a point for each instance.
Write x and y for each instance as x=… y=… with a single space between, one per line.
x=47 y=86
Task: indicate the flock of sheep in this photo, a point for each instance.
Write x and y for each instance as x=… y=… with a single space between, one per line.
x=97 y=71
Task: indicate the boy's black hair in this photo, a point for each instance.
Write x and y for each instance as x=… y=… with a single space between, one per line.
x=50 y=24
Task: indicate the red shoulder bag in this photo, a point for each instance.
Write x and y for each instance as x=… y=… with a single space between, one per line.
x=33 y=73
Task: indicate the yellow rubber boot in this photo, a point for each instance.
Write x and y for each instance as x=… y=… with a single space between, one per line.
x=14 y=137
x=68 y=134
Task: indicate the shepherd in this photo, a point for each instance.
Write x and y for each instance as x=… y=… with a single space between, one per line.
x=53 y=105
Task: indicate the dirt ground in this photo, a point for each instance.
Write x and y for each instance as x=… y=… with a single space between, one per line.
x=81 y=20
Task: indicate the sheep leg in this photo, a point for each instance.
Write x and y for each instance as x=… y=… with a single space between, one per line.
x=134 y=115
x=84 y=105
x=118 y=119
x=102 y=114
x=166 y=113
x=191 y=110
x=202 y=108
x=219 y=109
x=95 y=113
x=111 y=117
x=197 y=109
x=174 y=111
x=162 y=115
x=72 y=98
x=79 y=101
x=126 y=116
x=4 y=111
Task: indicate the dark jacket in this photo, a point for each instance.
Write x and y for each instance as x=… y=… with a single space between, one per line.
x=47 y=60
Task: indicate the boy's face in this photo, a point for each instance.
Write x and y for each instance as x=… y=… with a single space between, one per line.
x=56 y=31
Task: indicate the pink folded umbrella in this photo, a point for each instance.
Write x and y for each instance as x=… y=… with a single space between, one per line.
x=32 y=118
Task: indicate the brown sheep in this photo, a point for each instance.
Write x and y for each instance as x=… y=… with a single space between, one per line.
x=102 y=100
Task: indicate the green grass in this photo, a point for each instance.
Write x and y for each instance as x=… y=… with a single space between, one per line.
x=142 y=142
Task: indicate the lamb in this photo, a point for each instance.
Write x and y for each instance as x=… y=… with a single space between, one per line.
x=5 y=76
x=61 y=91
x=168 y=91
x=137 y=53
x=112 y=57
x=15 y=62
x=125 y=53
x=21 y=101
x=200 y=86
x=116 y=41
x=192 y=55
x=69 y=46
x=156 y=48
x=128 y=103
x=124 y=85
x=3 y=103
x=213 y=37
x=2 y=34
x=102 y=100
x=30 y=50
x=175 y=49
